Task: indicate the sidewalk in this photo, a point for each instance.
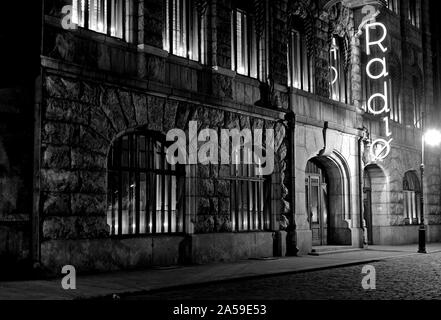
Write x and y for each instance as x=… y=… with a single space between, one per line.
x=124 y=282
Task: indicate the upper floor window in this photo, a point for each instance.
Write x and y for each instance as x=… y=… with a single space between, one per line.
x=393 y=6
x=145 y=192
x=415 y=96
x=184 y=32
x=245 y=46
x=339 y=82
x=394 y=87
x=111 y=17
x=413 y=13
x=300 y=63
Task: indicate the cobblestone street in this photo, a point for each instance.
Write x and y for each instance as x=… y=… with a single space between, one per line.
x=415 y=277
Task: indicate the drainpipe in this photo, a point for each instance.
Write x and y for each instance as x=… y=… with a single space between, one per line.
x=361 y=185
x=291 y=246
x=35 y=218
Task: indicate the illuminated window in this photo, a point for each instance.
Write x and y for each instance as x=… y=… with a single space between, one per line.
x=184 y=32
x=145 y=193
x=300 y=66
x=393 y=6
x=111 y=17
x=416 y=103
x=248 y=200
x=394 y=87
x=245 y=45
x=339 y=74
x=413 y=13
x=411 y=191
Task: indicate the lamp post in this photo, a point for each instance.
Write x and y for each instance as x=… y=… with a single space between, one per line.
x=433 y=138
x=422 y=229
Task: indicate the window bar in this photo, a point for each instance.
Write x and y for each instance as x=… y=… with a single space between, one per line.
x=153 y=187
x=137 y=188
x=109 y=17
x=172 y=24
x=187 y=24
x=123 y=19
x=300 y=42
x=119 y=144
x=148 y=187
x=169 y=193
x=249 y=205
x=130 y=185
x=163 y=213
x=233 y=41
x=86 y=14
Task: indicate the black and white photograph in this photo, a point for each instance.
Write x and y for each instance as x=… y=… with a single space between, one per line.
x=220 y=159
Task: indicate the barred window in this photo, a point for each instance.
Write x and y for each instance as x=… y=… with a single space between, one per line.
x=300 y=66
x=411 y=191
x=339 y=82
x=248 y=198
x=111 y=17
x=245 y=45
x=145 y=192
x=185 y=29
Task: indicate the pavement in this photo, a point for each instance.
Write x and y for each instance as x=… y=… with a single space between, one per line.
x=157 y=279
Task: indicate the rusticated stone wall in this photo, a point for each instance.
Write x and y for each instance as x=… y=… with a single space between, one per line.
x=80 y=121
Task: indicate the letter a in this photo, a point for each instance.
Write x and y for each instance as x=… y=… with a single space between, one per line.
x=66 y=22
x=69 y=282
x=369 y=281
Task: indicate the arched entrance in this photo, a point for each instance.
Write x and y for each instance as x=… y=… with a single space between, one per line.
x=316 y=190
x=374 y=198
x=327 y=202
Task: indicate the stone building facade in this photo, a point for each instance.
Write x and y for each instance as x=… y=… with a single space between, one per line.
x=104 y=92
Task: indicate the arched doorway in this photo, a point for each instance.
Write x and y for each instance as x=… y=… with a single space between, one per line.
x=374 y=200
x=327 y=202
x=316 y=190
x=412 y=198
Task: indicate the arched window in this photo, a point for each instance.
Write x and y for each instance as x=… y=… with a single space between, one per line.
x=339 y=82
x=145 y=192
x=300 y=62
x=412 y=193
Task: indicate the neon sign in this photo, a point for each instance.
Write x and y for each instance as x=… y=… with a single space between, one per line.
x=380 y=148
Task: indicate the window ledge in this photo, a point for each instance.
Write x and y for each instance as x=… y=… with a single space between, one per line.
x=314 y=96
x=184 y=61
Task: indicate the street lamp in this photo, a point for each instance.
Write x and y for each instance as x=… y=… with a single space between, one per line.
x=433 y=138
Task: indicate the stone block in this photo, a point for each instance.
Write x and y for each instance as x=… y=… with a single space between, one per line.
x=155 y=112
x=140 y=103
x=56 y=204
x=57 y=180
x=74 y=227
x=84 y=204
x=56 y=157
